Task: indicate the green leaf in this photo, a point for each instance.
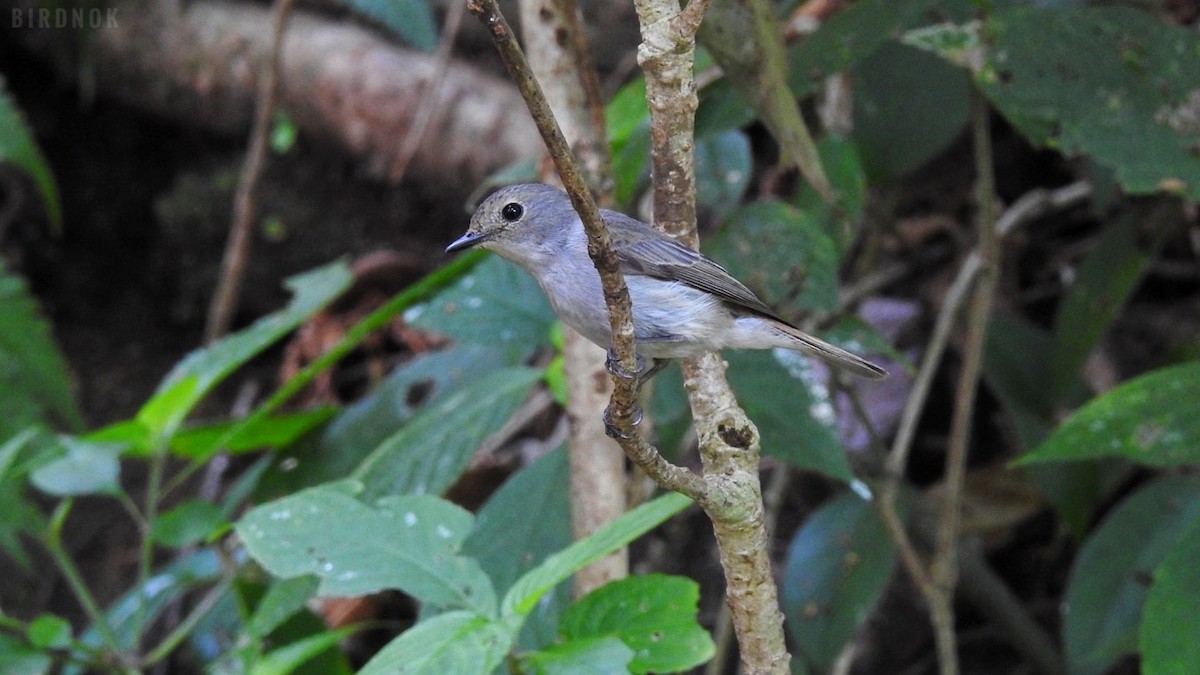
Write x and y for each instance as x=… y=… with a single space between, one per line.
x=1167 y=635
x=1103 y=283
x=721 y=109
x=850 y=36
x=18 y=658
x=187 y=524
x=496 y=304
x=19 y=515
x=837 y=567
x=406 y=542
x=363 y=426
x=429 y=453
x=48 y=631
x=283 y=600
x=908 y=106
x=654 y=614
x=200 y=443
x=592 y=656
x=141 y=605
x=1150 y=420
x=745 y=38
x=19 y=148
x=1110 y=82
x=529 y=589
x=626 y=113
x=508 y=542
x=85 y=468
x=1107 y=587
x=723 y=165
x=795 y=416
x=286 y=659
x=33 y=373
x=781 y=253
x=453 y=642
x=197 y=374
x=410 y=19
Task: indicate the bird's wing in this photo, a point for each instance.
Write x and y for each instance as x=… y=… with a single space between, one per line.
x=643 y=250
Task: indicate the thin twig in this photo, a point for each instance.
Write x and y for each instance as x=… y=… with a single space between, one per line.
x=245 y=205
x=987 y=592
x=432 y=92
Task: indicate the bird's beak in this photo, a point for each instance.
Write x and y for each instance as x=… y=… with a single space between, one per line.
x=466 y=241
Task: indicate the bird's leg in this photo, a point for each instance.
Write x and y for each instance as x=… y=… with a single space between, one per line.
x=613 y=365
x=610 y=426
x=643 y=372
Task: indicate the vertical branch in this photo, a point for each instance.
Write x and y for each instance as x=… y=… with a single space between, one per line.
x=945 y=562
x=729 y=448
x=558 y=57
x=245 y=208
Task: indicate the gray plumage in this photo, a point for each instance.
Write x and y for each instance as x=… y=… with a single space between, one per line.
x=683 y=303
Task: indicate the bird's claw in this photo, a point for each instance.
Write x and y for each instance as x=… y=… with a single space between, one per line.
x=613 y=365
x=612 y=430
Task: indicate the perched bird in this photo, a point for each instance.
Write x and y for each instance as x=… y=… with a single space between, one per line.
x=683 y=303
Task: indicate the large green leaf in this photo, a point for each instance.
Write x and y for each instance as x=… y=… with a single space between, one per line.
x=196 y=375
x=496 y=304
x=1151 y=420
x=1103 y=283
x=781 y=253
x=508 y=541
x=792 y=409
x=1107 y=587
x=33 y=373
x=723 y=165
x=410 y=19
x=407 y=542
x=1114 y=83
x=18 y=147
x=592 y=656
x=453 y=642
x=654 y=614
x=529 y=589
x=429 y=453
x=1167 y=637
x=850 y=36
x=908 y=106
x=837 y=566
x=364 y=425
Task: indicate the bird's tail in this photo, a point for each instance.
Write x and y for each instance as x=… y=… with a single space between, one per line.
x=834 y=356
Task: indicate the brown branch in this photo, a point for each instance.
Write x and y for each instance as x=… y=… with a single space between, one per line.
x=341 y=83
x=245 y=208
x=616 y=295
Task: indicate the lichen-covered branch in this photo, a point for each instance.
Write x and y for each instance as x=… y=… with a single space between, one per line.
x=729 y=443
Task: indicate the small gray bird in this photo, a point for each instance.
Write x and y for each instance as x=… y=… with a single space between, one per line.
x=683 y=303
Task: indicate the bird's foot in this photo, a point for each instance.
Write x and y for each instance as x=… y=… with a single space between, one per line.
x=613 y=365
x=612 y=430
x=642 y=374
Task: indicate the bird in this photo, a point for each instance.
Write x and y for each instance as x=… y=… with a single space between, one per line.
x=684 y=304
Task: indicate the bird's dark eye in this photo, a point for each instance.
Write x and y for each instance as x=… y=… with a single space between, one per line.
x=512 y=212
